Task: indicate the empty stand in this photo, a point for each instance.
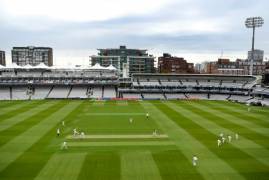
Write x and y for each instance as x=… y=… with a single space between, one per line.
x=41 y=92
x=59 y=92
x=4 y=93
x=175 y=96
x=110 y=92
x=97 y=92
x=19 y=93
x=197 y=96
x=132 y=95
x=218 y=96
x=153 y=96
x=78 y=92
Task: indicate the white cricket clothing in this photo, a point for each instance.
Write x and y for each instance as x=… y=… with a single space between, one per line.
x=82 y=134
x=75 y=132
x=223 y=140
x=64 y=145
x=236 y=136
x=230 y=138
x=219 y=143
x=58 y=131
x=194 y=161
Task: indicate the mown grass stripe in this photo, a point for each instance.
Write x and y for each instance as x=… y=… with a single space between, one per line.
x=138 y=165
x=256 y=110
x=173 y=166
x=18 y=109
x=35 y=158
x=16 y=147
x=6 y=104
x=101 y=165
x=187 y=147
x=236 y=158
x=62 y=166
x=13 y=105
x=120 y=143
x=98 y=103
x=10 y=133
x=236 y=128
x=243 y=114
x=208 y=122
x=8 y=123
x=232 y=119
x=122 y=103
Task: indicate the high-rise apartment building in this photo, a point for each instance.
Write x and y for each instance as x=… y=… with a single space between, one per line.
x=32 y=55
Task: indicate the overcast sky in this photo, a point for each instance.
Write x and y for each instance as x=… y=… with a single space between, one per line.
x=197 y=30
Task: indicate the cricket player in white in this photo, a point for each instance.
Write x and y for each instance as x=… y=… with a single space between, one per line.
x=147 y=115
x=154 y=132
x=75 y=132
x=64 y=145
x=221 y=135
x=236 y=136
x=223 y=140
x=131 y=120
x=229 y=138
x=58 y=132
x=219 y=142
x=82 y=135
x=194 y=160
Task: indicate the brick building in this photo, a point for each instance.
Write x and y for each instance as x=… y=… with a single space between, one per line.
x=177 y=65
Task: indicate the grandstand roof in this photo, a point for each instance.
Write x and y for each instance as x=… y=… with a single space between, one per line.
x=41 y=66
x=67 y=67
x=111 y=67
x=27 y=66
x=97 y=66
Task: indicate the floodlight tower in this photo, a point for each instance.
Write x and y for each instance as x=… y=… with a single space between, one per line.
x=253 y=22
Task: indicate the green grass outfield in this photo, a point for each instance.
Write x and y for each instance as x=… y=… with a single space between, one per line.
x=116 y=149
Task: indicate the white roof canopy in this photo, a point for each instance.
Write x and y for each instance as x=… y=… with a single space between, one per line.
x=111 y=67
x=97 y=66
x=41 y=66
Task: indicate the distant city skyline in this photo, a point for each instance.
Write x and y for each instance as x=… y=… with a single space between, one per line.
x=198 y=30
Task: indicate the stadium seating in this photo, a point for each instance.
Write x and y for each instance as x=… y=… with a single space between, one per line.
x=97 y=92
x=110 y=92
x=170 y=83
x=197 y=96
x=75 y=83
x=132 y=95
x=4 y=93
x=78 y=92
x=211 y=83
x=239 y=98
x=19 y=93
x=218 y=96
x=41 y=92
x=153 y=96
x=59 y=92
x=189 y=82
x=175 y=96
x=149 y=83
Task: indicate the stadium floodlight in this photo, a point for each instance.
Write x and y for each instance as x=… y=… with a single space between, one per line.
x=253 y=22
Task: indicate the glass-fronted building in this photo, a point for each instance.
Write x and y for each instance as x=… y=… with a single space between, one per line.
x=32 y=55
x=127 y=61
